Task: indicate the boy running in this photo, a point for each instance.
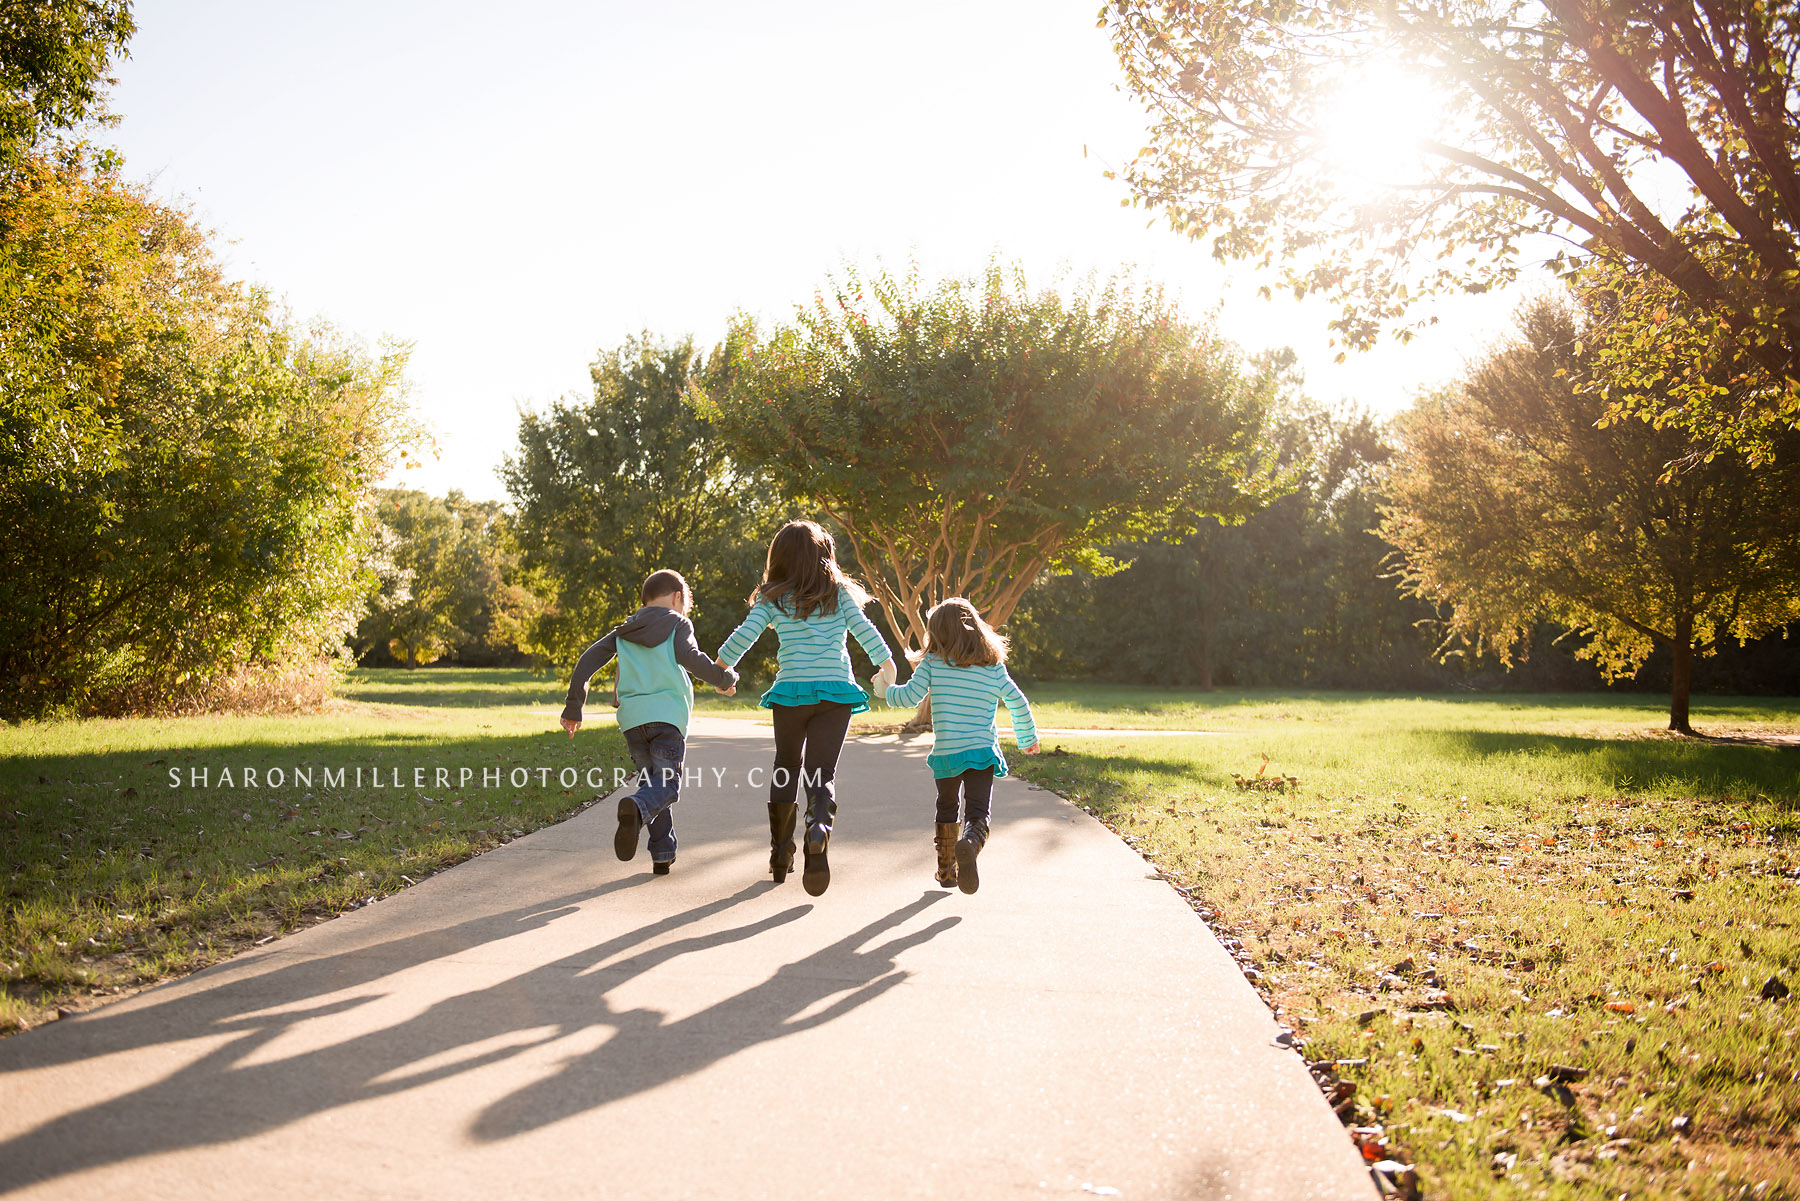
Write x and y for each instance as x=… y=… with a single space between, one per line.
x=655 y=701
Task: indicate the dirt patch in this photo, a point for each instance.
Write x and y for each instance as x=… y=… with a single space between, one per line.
x=1731 y=736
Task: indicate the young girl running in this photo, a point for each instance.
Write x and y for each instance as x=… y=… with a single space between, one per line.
x=963 y=669
x=812 y=604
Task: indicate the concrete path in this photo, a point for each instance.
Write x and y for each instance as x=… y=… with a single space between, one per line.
x=545 y=1021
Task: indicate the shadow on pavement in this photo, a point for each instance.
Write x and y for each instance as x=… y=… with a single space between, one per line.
x=220 y=1097
x=648 y=1051
x=221 y=1009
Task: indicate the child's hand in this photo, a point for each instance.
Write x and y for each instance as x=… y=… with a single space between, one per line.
x=571 y=726
x=731 y=691
x=1030 y=750
x=886 y=675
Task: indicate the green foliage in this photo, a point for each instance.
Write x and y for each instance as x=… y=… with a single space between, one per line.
x=969 y=437
x=1514 y=501
x=1658 y=358
x=1296 y=594
x=1561 y=118
x=183 y=470
x=631 y=482
x=449 y=581
x=54 y=55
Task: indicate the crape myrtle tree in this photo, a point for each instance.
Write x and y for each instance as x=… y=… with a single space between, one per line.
x=1655 y=136
x=967 y=437
x=1512 y=501
x=608 y=490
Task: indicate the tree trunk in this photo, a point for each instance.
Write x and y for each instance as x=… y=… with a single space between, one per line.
x=1205 y=652
x=1208 y=618
x=1680 y=671
x=920 y=721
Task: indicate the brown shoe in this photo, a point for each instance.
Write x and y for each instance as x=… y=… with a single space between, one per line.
x=975 y=834
x=945 y=839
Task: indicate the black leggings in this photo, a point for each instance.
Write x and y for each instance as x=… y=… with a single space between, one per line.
x=808 y=740
x=977 y=785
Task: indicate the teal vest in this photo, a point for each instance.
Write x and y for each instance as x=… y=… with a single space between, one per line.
x=652 y=686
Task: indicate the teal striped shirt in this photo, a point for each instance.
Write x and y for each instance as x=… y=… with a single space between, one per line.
x=963 y=700
x=812 y=662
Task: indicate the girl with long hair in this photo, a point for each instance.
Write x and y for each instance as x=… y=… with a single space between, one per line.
x=813 y=606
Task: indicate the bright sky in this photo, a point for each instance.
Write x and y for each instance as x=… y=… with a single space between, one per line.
x=513 y=187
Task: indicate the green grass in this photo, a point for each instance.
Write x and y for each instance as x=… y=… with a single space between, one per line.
x=1123 y=706
x=1463 y=894
x=116 y=876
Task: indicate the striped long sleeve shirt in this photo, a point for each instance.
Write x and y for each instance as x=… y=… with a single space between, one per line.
x=963 y=701
x=813 y=660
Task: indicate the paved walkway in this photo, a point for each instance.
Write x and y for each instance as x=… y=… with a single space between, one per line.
x=545 y=1021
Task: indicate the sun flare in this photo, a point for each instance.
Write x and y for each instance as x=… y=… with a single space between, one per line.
x=1371 y=126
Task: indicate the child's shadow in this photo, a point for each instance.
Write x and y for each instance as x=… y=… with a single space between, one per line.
x=229 y=1093
x=646 y=1052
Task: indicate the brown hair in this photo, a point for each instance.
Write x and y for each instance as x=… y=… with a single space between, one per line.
x=955 y=633
x=802 y=575
x=661 y=583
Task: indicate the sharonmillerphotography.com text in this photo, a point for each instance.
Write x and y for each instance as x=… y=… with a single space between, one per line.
x=268 y=779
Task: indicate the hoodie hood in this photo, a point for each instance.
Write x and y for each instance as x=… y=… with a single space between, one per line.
x=651 y=625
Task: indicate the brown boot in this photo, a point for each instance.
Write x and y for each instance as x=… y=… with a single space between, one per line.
x=975 y=834
x=947 y=834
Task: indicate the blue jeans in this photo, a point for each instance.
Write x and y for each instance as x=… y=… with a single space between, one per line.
x=657 y=748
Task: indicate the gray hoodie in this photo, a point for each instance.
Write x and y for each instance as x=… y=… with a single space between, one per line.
x=651 y=625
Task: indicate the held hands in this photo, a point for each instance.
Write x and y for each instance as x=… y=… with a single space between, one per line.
x=1033 y=749
x=731 y=691
x=571 y=726
x=885 y=675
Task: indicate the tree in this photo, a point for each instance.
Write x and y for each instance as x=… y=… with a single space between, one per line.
x=608 y=491
x=53 y=60
x=1660 y=137
x=1512 y=501
x=968 y=438
x=184 y=472
x=1296 y=595
x=447 y=581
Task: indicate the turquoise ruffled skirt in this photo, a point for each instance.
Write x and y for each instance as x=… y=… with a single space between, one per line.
x=809 y=692
x=955 y=763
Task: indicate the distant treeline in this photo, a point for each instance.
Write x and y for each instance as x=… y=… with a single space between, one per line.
x=1303 y=594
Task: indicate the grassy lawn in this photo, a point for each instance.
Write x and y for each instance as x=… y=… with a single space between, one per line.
x=1524 y=940
x=115 y=875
